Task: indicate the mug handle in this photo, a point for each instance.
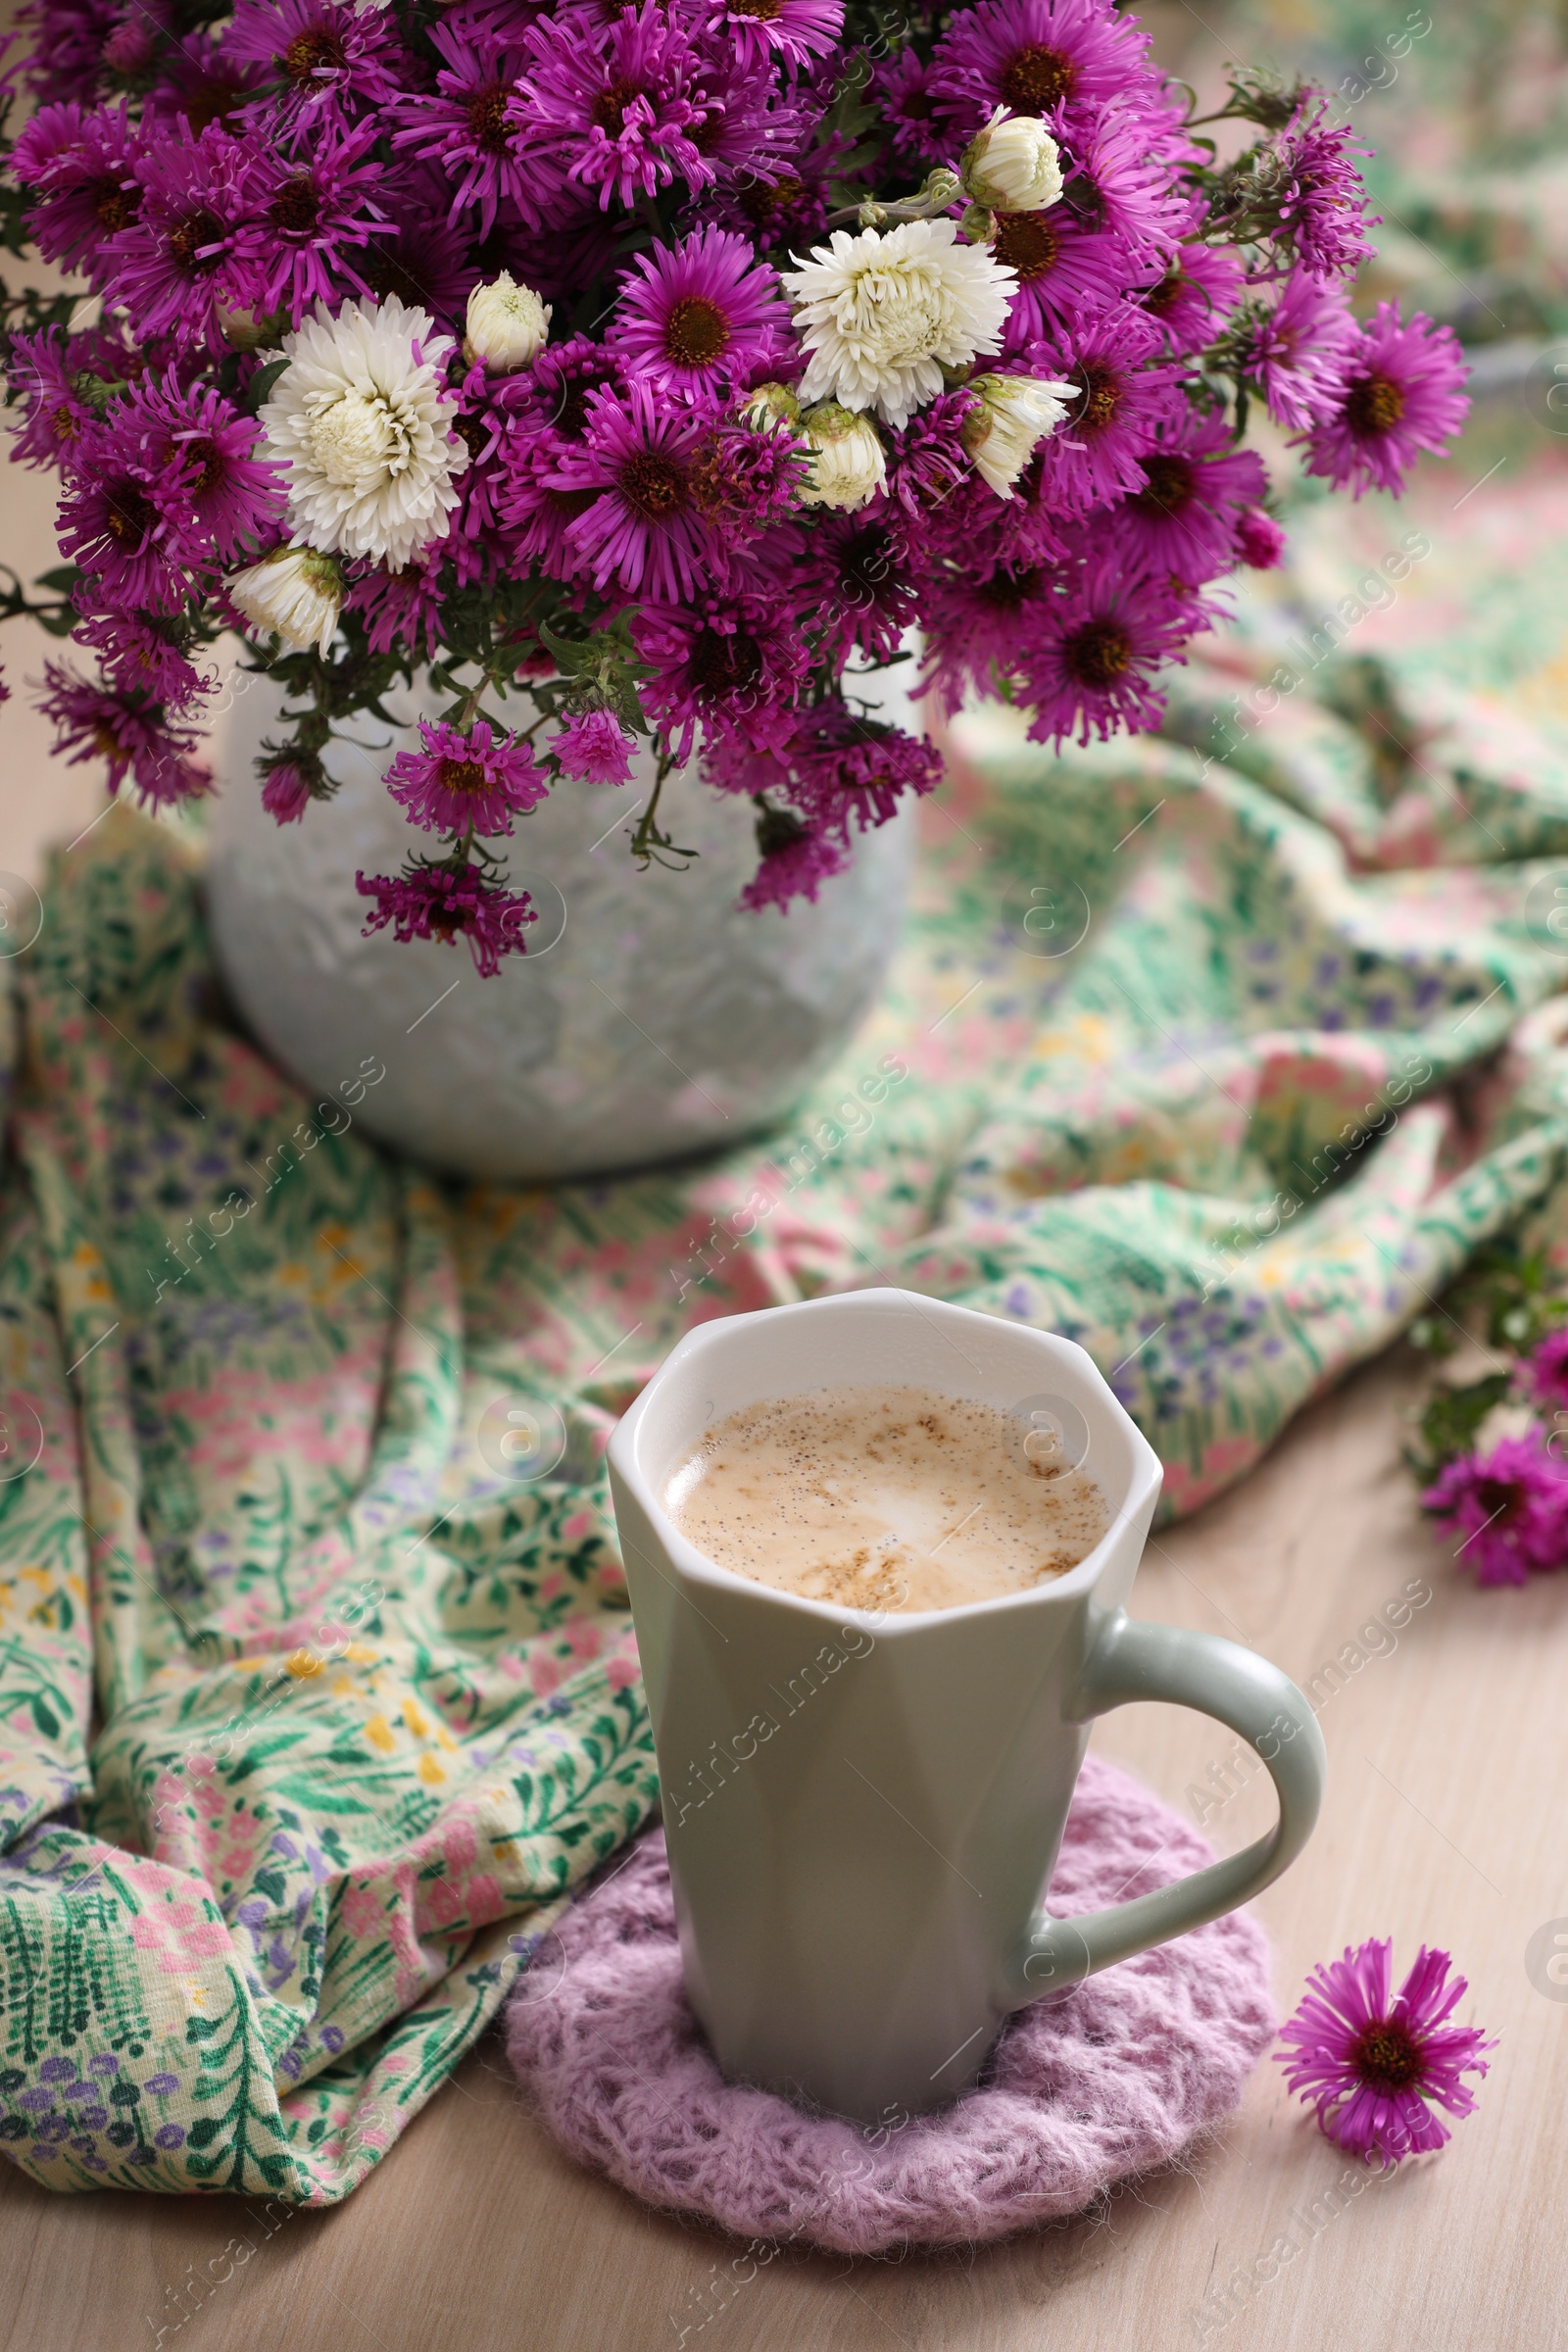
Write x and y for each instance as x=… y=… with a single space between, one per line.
x=1130 y=1659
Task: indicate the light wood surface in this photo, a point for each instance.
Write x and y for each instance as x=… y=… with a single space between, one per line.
x=1447 y=1756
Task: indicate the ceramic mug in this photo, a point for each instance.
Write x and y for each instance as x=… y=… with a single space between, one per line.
x=864 y=1810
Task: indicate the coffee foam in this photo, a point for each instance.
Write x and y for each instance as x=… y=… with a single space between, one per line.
x=884 y=1499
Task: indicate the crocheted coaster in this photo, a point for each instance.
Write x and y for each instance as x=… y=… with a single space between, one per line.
x=1110 y=2078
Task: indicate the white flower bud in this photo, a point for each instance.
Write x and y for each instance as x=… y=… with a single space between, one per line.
x=849 y=464
x=1015 y=415
x=771 y=404
x=507 y=326
x=295 y=591
x=1014 y=164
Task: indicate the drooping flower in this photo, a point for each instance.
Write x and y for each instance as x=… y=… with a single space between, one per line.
x=797 y=858
x=82 y=165
x=1013 y=416
x=134 y=736
x=1036 y=57
x=1375 y=2064
x=698 y=318
x=465 y=780
x=1092 y=666
x=794 y=30
x=848 y=463
x=1509 y=1505
x=447 y=902
x=731 y=663
x=505 y=325
x=359 y=423
x=882 y=313
x=286 y=793
x=642 y=526
x=1402 y=393
x=594 y=746
x=295 y=592
x=1012 y=164
x=1319 y=194
x=1298 y=352
x=464 y=126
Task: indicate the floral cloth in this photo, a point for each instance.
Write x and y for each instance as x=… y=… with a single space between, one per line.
x=314 y=1701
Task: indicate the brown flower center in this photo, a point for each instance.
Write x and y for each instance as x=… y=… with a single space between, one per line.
x=1009 y=591
x=1168 y=485
x=764 y=11
x=487 y=120
x=696 y=331
x=1036 y=77
x=312 y=53
x=571 y=502
x=1387 y=2055
x=112 y=207
x=868 y=566
x=1374 y=404
x=474 y=432
x=128 y=513
x=764 y=206
x=1098 y=654
x=209 y=463
x=1102 y=389
x=609 y=109
x=724 y=661
x=1160 y=299
x=1026 y=242
x=297 y=208
x=189 y=238
x=653 y=484
x=209 y=98
x=777 y=830
x=1501 y=1498
x=63 y=422
x=461 y=775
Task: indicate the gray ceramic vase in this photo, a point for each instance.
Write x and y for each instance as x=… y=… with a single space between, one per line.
x=648 y=1018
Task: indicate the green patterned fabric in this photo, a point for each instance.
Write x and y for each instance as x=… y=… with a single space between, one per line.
x=310 y=1711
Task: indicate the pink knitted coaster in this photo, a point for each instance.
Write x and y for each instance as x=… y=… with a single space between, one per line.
x=1110 y=2078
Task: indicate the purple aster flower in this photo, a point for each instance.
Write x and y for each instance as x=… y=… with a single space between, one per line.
x=697 y=319
x=1065 y=268
x=926 y=459
x=1375 y=2064
x=180 y=262
x=566 y=376
x=1320 y=195
x=797 y=858
x=904 y=95
x=236 y=498
x=849 y=770
x=82 y=165
x=315 y=212
x=1035 y=57
x=792 y=30
x=978 y=627
x=643 y=528
x=424 y=260
x=466 y=781
x=1119 y=182
x=1183 y=518
x=616 y=111
x=1510 y=1507
x=786 y=210
x=733 y=664
x=866 y=576
x=1298 y=352
x=401 y=608
x=124 y=518
x=1547 y=1371
x=1402 y=393
x=328 y=60
x=464 y=126
x=1123 y=404
x=132 y=735
x=140 y=658
x=286 y=793
x=65 y=386
x=1090 y=667
x=1201 y=287
x=449 y=901
x=64 y=57
x=595 y=748
x=1260 y=541
x=199 y=83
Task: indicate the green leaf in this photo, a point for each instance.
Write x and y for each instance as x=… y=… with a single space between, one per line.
x=262 y=382
x=1452 y=1416
x=205 y=2130
x=44 y=1716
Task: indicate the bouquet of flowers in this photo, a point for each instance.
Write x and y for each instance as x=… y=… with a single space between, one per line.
x=655 y=365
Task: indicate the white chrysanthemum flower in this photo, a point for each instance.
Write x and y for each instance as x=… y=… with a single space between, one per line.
x=1015 y=415
x=883 y=312
x=507 y=326
x=1012 y=166
x=295 y=591
x=358 y=422
x=849 y=464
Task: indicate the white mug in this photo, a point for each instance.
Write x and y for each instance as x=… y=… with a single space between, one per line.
x=863 y=1811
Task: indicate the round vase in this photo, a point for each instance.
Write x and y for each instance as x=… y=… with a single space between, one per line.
x=648 y=1018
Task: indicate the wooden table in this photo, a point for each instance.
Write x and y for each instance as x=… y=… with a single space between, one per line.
x=1447 y=1747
